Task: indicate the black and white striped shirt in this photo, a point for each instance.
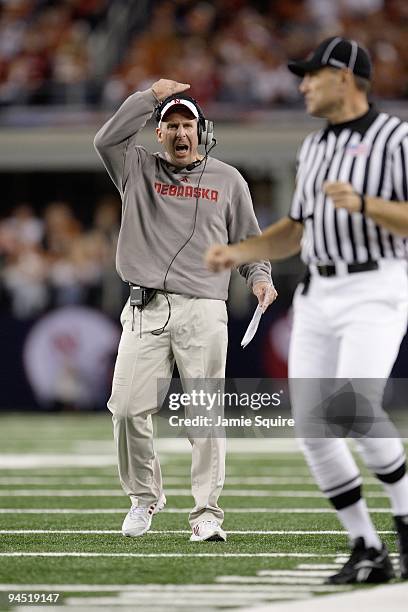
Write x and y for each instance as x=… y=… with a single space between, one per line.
x=371 y=153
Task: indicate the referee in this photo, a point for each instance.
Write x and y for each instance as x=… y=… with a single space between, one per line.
x=349 y=217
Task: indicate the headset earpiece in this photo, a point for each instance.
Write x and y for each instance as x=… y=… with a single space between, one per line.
x=205 y=132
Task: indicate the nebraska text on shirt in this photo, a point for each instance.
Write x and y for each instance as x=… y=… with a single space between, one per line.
x=187 y=191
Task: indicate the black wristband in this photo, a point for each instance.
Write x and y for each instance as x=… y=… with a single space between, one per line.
x=363 y=205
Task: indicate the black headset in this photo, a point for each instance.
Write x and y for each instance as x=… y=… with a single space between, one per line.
x=205 y=128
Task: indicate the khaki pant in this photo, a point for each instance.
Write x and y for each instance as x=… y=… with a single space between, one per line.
x=196 y=339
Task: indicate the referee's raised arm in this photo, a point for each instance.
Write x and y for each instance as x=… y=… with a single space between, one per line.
x=278 y=241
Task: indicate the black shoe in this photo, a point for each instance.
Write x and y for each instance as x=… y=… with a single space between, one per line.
x=401 y=523
x=365 y=566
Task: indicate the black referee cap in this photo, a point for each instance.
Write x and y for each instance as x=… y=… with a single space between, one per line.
x=335 y=52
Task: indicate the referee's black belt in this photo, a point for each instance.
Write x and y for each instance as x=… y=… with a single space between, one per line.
x=331 y=270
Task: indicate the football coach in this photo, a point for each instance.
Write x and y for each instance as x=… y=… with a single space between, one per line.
x=175 y=204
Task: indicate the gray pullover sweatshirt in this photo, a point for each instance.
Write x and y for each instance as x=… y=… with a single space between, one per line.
x=158 y=210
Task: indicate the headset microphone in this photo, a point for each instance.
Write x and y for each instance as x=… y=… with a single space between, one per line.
x=194 y=164
x=197 y=162
x=212 y=145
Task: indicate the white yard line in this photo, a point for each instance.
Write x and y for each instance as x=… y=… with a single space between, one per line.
x=169 y=492
x=180 y=510
x=172 y=470
x=85 y=455
x=35 y=460
x=307 y=566
x=274 y=555
x=61 y=480
x=169 y=480
x=261 y=446
x=271 y=580
x=134 y=588
x=178 y=531
x=296 y=572
x=182 y=445
x=214 y=597
x=207 y=602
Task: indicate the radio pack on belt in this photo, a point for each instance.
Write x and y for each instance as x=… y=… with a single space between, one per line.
x=141 y=296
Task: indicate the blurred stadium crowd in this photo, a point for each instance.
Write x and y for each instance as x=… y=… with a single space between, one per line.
x=96 y=52
x=55 y=256
x=53 y=260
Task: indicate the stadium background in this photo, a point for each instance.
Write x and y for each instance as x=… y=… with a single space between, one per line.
x=64 y=67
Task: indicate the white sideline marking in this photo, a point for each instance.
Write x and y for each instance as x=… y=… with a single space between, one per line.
x=296 y=572
x=52 y=479
x=313 y=566
x=61 y=480
x=133 y=588
x=213 y=597
x=176 y=531
x=82 y=457
x=333 y=566
x=210 y=601
x=179 y=510
x=34 y=460
x=76 y=531
x=175 y=492
x=154 y=588
x=170 y=480
x=170 y=471
x=270 y=580
x=173 y=555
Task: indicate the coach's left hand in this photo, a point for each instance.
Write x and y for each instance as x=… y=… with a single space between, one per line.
x=343 y=195
x=266 y=294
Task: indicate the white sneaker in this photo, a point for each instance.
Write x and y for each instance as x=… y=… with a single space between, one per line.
x=208 y=531
x=139 y=519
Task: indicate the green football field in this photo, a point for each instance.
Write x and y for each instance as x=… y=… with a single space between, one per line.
x=61 y=510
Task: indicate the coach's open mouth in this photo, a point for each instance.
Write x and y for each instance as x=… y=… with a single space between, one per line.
x=181 y=149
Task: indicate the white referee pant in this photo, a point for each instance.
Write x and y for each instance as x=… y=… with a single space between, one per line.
x=196 y=339
x=348 y=327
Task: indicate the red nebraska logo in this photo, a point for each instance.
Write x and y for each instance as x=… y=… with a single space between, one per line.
x=187 y=191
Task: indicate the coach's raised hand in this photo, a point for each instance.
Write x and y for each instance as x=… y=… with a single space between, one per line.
x=166 y=87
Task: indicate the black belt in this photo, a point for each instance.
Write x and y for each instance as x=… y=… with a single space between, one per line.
x=330 y=270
